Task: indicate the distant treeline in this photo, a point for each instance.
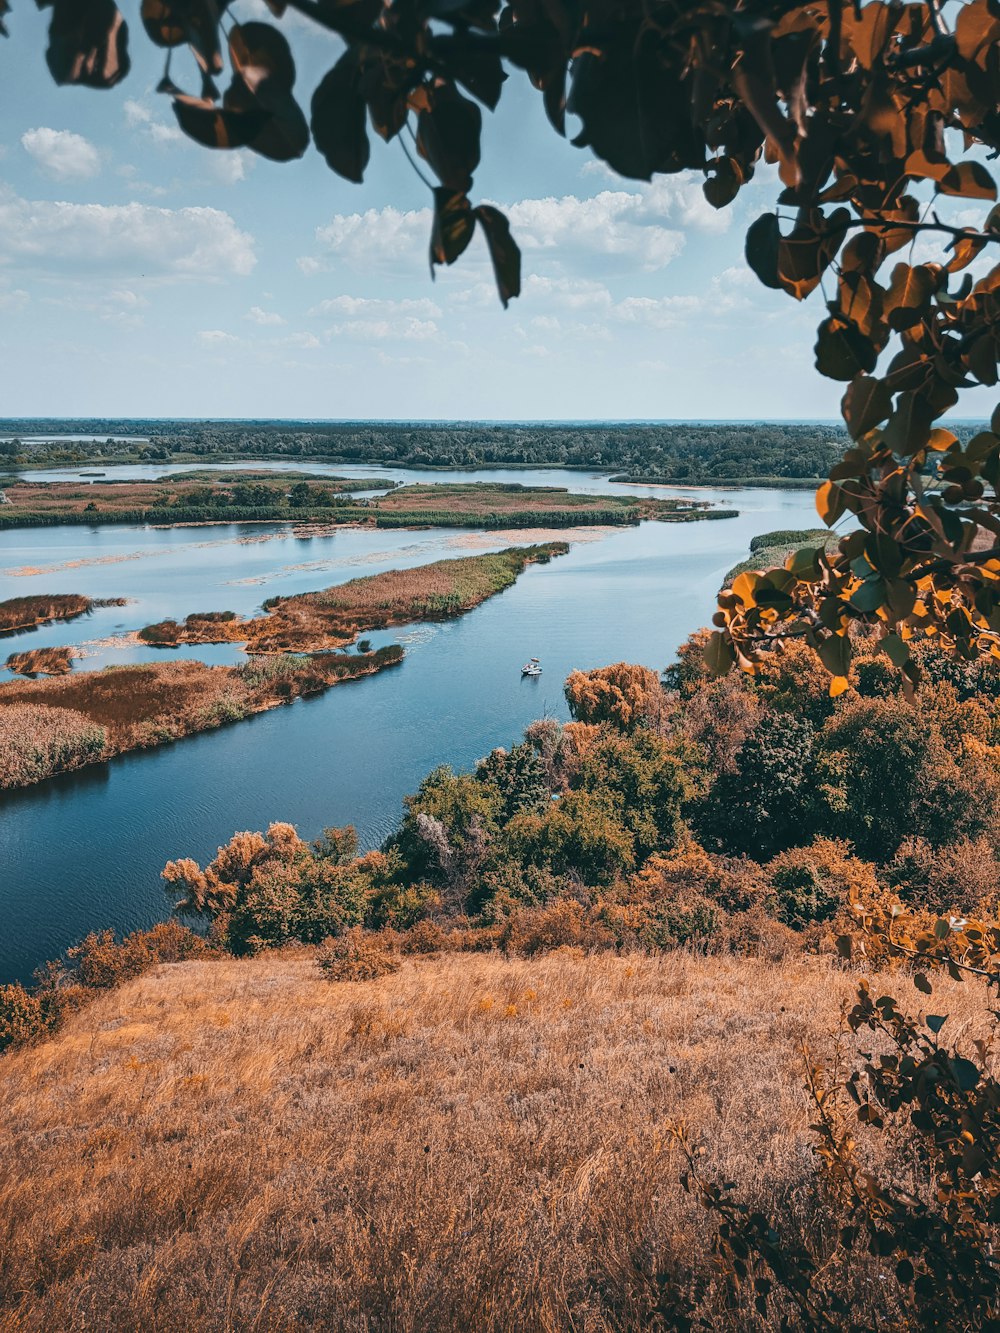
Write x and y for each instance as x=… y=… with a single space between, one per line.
x=689 y=454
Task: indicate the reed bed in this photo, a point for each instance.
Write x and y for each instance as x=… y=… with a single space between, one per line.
x=19 y=613
x=472 y=1142
x=38 y=740
x=312 y=622
x=95 y=715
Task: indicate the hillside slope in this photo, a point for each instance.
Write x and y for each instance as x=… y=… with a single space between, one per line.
x=473 y=1142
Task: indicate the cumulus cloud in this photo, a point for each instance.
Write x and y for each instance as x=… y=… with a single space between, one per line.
x=217 y=338
x=256 y=315
x=407 y=329
x=62 y=154
x=640 y=230
x=136 y=239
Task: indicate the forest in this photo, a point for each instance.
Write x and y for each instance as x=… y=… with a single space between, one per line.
x=688 y=453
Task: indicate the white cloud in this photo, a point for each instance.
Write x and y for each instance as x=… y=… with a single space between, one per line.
x=231 y=167
x=618 y=230
x=308 y=342
x=11 y=298
x=379 y=235
x=216 y=338
x=62 y=154
x=353 y=306
x=258 y=316
x=136 y=113
x=407 y=329
x=134 y=239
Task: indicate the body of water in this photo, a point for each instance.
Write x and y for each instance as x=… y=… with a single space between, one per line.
x=84 y=851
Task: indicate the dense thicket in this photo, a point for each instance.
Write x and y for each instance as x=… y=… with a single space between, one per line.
x=699 y=809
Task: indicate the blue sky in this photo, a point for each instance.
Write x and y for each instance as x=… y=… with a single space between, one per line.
x=142 y=275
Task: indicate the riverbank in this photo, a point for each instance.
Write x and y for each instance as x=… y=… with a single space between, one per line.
x=723 y=484
x=769 y=550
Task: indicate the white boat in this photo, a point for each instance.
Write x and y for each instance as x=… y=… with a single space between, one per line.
x=532 y=668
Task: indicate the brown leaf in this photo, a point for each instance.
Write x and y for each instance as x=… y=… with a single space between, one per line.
x=454 y=224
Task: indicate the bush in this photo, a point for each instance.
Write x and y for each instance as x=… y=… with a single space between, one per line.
x=963 y=877
x=100 y=962
x=357 y=955
x=562 y=923
x=23 y=1017
x=811 y=883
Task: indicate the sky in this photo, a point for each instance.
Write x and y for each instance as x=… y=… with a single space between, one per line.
x=141 y=275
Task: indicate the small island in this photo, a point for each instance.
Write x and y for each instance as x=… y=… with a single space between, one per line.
x=18 y=614
x=320 y=621
x=54 y=726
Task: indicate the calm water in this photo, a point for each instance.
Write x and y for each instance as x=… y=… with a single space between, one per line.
x=85 y=851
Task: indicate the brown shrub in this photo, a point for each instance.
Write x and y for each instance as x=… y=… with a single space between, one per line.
x=565 y=921
x=424 y=937
x=963 y=877
x=23 y=1017
x=357 y=955
x=100 y=962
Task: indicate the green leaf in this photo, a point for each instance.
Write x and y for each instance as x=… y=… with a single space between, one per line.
x=966 y=1074
x=936 y=1022
x=896 y=649
x=870 y=596
x=454 y=223
x=338 y=119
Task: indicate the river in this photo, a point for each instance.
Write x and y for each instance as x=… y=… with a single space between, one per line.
x=85 y=851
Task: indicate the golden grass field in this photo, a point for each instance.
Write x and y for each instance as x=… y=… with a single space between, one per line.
x=472 y=1143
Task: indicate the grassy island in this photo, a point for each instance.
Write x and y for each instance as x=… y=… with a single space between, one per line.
x=21 y=613
x=41 y=662
x=770 y=549
x=249 y=497
x=54 y=726
x=317 y=621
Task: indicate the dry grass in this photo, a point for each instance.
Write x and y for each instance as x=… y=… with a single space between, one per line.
x=471 y=1143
